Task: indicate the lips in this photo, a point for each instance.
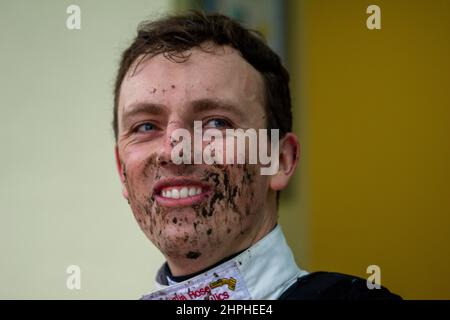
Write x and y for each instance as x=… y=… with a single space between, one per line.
x=178 y=192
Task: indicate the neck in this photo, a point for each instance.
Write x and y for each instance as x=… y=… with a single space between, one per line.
x=192 y=275
x=183 y=267
x=270 y=258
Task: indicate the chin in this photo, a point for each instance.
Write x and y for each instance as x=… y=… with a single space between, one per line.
x=183 y=236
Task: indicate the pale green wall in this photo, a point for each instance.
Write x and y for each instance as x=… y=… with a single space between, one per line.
x=60 y=201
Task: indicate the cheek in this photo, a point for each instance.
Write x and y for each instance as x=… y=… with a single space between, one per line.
x=141 y=173
x=229 y=213
x=238 y=197
x=140 y=177
x=251 y=190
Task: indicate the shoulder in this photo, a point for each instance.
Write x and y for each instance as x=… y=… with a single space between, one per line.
x=334 y=286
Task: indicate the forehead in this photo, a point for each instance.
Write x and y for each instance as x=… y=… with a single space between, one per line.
x=221 y=72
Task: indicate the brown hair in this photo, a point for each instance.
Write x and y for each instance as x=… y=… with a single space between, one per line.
x=173 y=36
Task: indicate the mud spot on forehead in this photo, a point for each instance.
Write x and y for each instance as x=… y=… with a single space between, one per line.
x=193 y=254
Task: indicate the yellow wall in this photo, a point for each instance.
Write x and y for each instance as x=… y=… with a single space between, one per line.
x=376 y=110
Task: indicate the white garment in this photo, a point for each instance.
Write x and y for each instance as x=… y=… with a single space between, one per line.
x=263 y=271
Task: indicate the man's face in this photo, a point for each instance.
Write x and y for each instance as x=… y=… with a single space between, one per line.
x=220 y=208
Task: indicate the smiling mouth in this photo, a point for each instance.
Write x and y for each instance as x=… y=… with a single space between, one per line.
x=180 y=192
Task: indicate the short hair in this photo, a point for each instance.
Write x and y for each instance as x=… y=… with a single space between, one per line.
x=174 y=35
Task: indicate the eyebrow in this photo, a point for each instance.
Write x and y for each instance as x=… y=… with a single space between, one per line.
x=198 y=106
x=141 y=108
x=203 y=105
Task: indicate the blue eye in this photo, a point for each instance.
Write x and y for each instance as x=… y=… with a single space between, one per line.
x=145 y=127
x=217 y=123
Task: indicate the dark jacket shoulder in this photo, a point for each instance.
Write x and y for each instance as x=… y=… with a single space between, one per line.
x=334 y=286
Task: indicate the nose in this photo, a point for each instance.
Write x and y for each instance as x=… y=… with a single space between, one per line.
x=164 y=157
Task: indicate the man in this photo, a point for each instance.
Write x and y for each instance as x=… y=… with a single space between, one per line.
x=216 y=224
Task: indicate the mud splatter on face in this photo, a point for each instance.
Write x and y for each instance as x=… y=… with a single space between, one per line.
x=229 y=193
x=124 y=171
x=193 y=254
x=223 y=217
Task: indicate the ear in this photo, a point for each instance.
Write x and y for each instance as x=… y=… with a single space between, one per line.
x=121 y=171
x=289 y=157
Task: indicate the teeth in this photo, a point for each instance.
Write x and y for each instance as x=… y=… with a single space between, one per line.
x=192 y=191
x=180 y=192
x=183 y=192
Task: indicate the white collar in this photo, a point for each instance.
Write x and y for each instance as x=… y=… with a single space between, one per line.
x=263 y=271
